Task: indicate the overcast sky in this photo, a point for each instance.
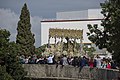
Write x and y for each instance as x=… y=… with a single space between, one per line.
x=10 y=12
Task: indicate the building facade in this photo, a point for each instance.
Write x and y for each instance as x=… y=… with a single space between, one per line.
x=77 y=20
x=66 y=24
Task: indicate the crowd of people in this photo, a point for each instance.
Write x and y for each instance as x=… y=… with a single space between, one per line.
x=66 y=60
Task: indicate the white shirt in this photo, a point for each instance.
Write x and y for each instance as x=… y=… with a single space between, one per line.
x=98 y=60
x=50 y=59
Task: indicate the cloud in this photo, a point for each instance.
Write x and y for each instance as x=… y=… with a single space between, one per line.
x=48 y=8
x=9 y=20
x=35 y=21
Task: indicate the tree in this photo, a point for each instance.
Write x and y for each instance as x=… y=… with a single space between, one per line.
x=25 y=39
x=89 y=50
x=4 y=42
x=4 y=75
x=108 y=37
x=40 y=49
x=13 y=67
x=8 y=59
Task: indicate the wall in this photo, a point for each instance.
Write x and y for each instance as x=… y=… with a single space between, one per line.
x=72 y=15
x=51 y=71
x=83 y=14
x=81 y=24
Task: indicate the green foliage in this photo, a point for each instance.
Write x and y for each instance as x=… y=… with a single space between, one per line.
x=96 y=36
x=25 y=39
x=4 y=75
x=13 y=67
x=108 y=37
x=8 y=59
x=89 y=50
x=40 y=50
x=4 y=42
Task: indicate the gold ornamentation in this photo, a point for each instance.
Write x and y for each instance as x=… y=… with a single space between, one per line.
x=70 y=33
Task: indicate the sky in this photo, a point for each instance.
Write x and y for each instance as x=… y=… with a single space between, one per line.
x=39 y=9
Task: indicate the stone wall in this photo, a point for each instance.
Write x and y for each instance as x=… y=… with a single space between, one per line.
x=52 y=71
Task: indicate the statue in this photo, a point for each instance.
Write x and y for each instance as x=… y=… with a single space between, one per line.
x=71 y=47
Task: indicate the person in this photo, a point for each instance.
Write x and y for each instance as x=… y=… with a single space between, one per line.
x=26 y=59
x=104 y=64
x=64 y=60
x=58 y=61
x=40 y=60
x=108 y=65
x=83 y=61
x=75 y=61
x=32 y=59
x=91 y=62
x=50 y=59
x=22 y=59
x=113 y=65
x=98 y=61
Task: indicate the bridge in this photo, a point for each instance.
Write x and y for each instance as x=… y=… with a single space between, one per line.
x=53 y=72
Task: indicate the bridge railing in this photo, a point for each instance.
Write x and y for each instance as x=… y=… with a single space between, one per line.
x=43 y=71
